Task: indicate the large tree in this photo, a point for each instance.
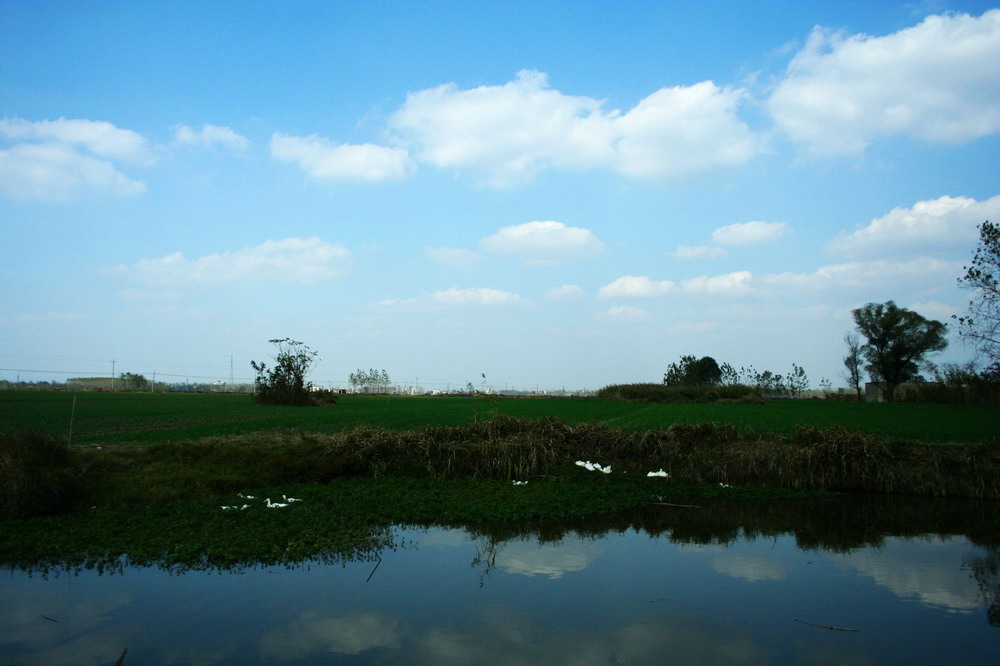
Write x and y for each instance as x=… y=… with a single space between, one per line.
x=898 y=340
x=982 y=324
x=691 y=371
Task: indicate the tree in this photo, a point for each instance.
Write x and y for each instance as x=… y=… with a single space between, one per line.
x=371 y=381
x=797 y=381
x=133 y=382
x=982 y=324
x=285 y=383
x=898 y=341
x=853 y=362
x=690 y=371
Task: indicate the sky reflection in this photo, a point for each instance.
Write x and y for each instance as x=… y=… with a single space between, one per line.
x=453 y=597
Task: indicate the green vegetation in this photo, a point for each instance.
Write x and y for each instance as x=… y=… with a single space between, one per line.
x=107 y=418
x=139 y=484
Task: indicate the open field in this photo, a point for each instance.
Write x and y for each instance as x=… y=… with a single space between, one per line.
x=158 y=417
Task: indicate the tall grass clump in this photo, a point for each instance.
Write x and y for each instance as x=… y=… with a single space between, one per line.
x=36 y=475
x=509 y=447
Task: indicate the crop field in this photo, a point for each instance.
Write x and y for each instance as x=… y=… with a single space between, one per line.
x=97 y=417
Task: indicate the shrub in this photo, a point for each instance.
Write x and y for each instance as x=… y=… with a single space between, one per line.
x=36 y=475
x=663 y=393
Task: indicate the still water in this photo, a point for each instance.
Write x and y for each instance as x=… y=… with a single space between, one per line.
x=627 y=591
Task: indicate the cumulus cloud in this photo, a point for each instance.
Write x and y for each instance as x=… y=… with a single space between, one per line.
x=454 y=257
x=684 y=129
x=57 y=159
x=313 y=633
x=749 y=233
x=545 y=242
x=453 y=297
x=926 y=227
x=511 y=132
x=566 y=292
x=625 y=313
x=99 y=138
x=56 y=172
x=937 y=81
x=730 y=284
x=635 y=286
x=298 y=260
x=913 y=274
x=476 y=297
x=322 y=159
x=691 y=252
x=212 y=136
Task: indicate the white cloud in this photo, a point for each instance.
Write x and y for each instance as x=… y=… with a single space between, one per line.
x=476 y=297
x=315 y=634
x=56 y=159
x=53 y=171
x=748 y=567
x=513 y=131
x=927 y=227
x=323 y=160
x=936 y=81
x=730 y=284
x=100 y=138
x=510 y=132
x=544 y=242
x=684 y=129
x=690 y=252
x=749 y=233
x=921 y=273
x=566 y=292
x=635 y=286
x=454 y=257
x=299 y=260
x=211 y=136
x=625 y=313
x=529 y=558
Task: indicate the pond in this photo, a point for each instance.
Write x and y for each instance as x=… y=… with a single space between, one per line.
x=764 y=584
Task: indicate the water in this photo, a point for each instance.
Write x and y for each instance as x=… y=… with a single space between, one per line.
x=675 y=585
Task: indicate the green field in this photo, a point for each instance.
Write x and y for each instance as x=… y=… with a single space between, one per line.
x=98 y=417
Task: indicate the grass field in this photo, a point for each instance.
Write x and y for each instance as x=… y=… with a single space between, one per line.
x=163 y=417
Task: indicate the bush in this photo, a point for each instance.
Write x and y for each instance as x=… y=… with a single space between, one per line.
x=664 y=393
x=285 y=383
x=36 y=475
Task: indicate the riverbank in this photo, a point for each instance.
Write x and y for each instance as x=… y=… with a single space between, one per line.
x=206 y=501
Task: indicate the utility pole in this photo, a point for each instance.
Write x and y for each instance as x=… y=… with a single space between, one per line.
x=112 y=374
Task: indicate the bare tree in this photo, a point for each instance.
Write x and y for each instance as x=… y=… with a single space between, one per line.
x=982 y=324
x=853 y=362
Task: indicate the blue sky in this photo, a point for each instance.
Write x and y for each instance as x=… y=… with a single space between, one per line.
x=562 y=194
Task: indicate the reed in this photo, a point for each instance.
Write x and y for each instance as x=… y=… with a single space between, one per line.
x=508 y=447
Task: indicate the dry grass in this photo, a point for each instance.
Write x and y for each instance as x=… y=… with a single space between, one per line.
x=508 y=447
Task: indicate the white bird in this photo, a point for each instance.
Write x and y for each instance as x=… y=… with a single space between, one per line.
x=520 y=483
x=227 y=508
x=274 y=505
x=291 y=499
x=606 y=470
x=660 y=473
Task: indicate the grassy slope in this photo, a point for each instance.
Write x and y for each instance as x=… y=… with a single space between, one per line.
x=141 y=417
